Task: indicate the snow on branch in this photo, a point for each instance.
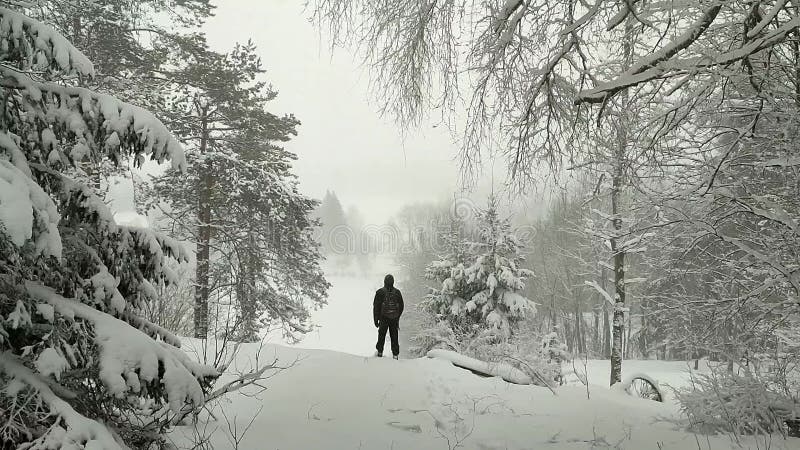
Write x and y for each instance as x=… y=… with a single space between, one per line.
x=45 y=47
x=787 y=161
x=590 y=14
x=152 y=329
x=627 y=79
x=791 y=275
x=25 y=208
x=128 y=356
x=679 y=66
x=27 y=213
x=80 y=429
x=620 y=16
x=9 y=143
x=145 y=238
x=506 y=24
x=769 y=17
x=769 y=210
x=77 y=111
x=600 y=290
x=505 y=14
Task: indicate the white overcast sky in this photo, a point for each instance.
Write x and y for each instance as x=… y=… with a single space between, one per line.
x=343 y=144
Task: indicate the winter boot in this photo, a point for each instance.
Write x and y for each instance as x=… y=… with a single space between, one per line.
x=395 y=357
x=379 y=354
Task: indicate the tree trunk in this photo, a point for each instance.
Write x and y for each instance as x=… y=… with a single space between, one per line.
x=579 y=331
x=204 y=190
x=796 y=55
x=626 y=343
x=569 y=336
x=618 y=322
x=643 y=343
x=606 y=323
x=246 y=295
x=553 y=308
x=596 y=342
x=617 y=183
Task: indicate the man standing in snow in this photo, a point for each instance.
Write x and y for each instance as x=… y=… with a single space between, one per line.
x=386 y=311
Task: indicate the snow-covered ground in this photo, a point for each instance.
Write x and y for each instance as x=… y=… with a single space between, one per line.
x=336 y=397
x=332 y=400
x=670 y=375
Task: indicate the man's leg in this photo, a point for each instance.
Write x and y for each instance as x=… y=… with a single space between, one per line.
x=394 y=325
x=384 y=325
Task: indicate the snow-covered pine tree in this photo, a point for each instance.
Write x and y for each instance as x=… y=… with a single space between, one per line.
x=481 y=281
x=239 y=200
x=278 y=273
x=130 y=59
x=79 y=366
x=495 y=271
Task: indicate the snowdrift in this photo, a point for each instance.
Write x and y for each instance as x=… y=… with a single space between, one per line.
x=330 y=400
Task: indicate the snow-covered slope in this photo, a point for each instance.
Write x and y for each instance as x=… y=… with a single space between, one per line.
x=331 y=400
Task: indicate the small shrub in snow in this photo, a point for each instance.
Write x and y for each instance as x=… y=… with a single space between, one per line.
x=725 y=401
x=433 y=334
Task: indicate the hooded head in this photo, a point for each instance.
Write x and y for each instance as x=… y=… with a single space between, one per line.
x=388 y=281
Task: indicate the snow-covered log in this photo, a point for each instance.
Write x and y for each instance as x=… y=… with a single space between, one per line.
x=502 y=370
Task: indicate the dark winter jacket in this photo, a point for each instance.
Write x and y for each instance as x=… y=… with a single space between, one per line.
x=380 y=294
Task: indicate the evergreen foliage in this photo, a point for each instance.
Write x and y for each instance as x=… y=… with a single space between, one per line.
x=239 y=200
x=91 y=371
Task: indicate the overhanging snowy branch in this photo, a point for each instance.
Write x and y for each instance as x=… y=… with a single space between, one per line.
x=52 y=47
x=80 y=429
x=647 y=68
x=600 y=290
x=77 y=109
x=660 y=63
x=129 y=357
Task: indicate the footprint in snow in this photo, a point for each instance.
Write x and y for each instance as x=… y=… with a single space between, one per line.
x=414 y=428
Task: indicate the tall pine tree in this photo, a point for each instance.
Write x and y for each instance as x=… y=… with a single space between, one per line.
x=240 y=201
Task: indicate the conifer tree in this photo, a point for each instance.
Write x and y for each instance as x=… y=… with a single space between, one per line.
x=240 y=203
x=481 y=281
x=333 y=222
x=129 y=43
x=496 y=272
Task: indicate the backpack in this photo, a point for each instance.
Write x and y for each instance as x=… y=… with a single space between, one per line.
x=390 y=308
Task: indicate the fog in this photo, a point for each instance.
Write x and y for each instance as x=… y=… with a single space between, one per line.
x=343 y=143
